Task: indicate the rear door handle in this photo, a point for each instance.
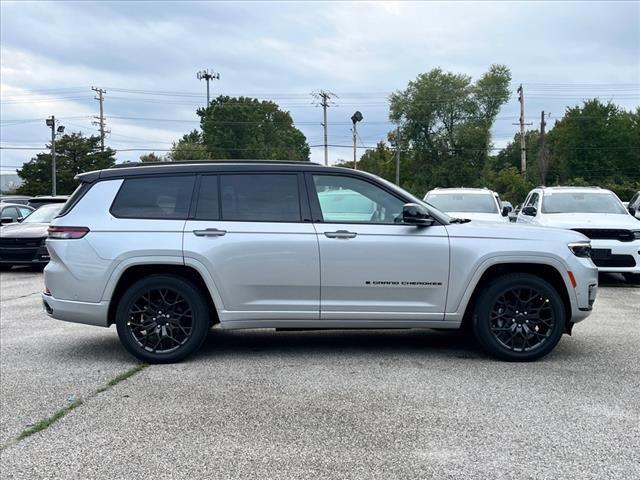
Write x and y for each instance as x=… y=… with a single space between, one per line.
x=341 y=234
x=209 y=232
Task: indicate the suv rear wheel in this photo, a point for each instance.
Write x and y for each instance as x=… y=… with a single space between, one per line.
x=519 y=317
x=162 y=319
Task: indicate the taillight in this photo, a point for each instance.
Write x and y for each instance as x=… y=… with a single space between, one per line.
x=67 y=233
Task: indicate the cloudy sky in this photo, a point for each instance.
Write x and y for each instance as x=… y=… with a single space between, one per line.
x=146 y=55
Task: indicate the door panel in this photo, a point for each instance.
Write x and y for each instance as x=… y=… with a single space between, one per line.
x=384 y=271
x=373 y=267
x=259 y=268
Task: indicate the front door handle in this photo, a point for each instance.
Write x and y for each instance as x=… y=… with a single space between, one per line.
x=341 y=234
x=209 y=232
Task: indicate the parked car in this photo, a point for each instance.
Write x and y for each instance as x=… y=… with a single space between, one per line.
x=37 y=202
x=13 y=212
x=598 y=214
x=472 y=203
x=24 y=243
x=15 y=199
x=511 y=214
x=634 y=205
x=164 y=251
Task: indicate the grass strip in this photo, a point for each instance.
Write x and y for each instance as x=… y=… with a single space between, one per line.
x=47 y=422
x=122 y=377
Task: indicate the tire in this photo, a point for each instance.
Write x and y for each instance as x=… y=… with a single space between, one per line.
x=633 y=278
x=177 y=331
x=514 y=335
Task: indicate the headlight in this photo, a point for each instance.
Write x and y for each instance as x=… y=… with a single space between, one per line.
x=581 y=249
x=636 y=234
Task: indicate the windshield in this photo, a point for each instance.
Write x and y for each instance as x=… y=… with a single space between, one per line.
x=571 y=202
x=463 y=202
x=44 y=214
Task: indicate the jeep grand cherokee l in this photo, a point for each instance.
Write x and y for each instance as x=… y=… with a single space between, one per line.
x=165 y=251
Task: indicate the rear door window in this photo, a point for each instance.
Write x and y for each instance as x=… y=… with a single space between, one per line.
x=208 y=207
x=159 y=197
x=254 y=197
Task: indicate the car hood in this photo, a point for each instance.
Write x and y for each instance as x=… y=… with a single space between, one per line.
x=24 y=230
x=483 y=217
x=589 y=220
x=513 y=231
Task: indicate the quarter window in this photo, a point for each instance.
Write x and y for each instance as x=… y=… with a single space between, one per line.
x=260 y=197
x=154 y=197
x=350 y=200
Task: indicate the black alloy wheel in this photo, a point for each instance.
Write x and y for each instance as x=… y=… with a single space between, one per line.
x=162 y=319
x=519 y=317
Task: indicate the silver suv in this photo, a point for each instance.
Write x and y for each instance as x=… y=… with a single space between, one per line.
x=167 y=251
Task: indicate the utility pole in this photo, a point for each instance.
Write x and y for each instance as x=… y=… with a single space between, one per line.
x=355 y=118
x=543 y=153
x=523 y=145
x=324 y=98
x=51 y=122
x=100 y=120
x=208 y=76
x=398 y=156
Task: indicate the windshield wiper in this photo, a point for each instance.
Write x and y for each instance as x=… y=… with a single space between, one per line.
x=459 y=220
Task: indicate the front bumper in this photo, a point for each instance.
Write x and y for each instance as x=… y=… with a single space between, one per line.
x=77 y=312
x=616 y=256
x=24 y=254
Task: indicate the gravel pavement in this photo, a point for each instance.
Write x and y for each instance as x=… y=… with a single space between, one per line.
x=345 y=405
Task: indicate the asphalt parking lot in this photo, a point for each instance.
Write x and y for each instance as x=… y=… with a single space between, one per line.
x=348 y=405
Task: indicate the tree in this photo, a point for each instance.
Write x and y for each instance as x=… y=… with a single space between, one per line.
x=189 y=147
x=446 y=121
x=151 y=158
x=75 y=154
x=249 y=128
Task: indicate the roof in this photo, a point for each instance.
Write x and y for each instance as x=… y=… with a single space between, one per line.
x=473 y=191
x=129 y=170
x=574 y=189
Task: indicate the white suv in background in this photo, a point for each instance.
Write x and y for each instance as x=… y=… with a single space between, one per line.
x=595 y=212
x=165 y=251
x=472 y=203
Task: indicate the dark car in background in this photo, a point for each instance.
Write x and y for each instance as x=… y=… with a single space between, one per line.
x=13 y=212
x=23 y=243
x=37 y=202
x=15 y=199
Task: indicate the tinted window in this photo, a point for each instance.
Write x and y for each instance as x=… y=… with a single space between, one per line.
x=348 y=199
x=75 y=197
x=463 y=202
x=260 y=197
x=10 y=212
x=154 y=197
x=581 y=203
x=208 y=206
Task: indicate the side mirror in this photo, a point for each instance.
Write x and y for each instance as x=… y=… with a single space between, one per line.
x=505 y=210
x=415 y=214
x=5 y=220
x=529 y=210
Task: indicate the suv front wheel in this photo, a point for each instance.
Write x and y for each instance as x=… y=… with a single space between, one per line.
x=519 y=317
x=162 y=319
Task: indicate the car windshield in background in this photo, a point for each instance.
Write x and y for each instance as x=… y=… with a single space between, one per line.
x=571 y=202
x=463 y=202
x=44 y=214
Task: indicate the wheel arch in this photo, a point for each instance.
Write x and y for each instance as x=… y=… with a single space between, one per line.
x=545 y=271
x=135 y=272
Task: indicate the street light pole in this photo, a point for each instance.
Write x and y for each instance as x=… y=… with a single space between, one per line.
x=355 y=118
x=51 y=122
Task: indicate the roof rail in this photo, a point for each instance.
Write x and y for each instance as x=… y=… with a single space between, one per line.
x=191 y=162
